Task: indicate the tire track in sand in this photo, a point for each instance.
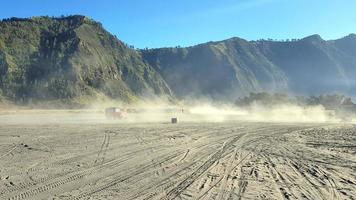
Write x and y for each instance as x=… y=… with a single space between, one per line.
x=176 y=191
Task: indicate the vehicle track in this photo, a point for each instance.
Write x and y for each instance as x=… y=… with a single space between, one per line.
x=206 y=144
x=232 y=166
x=127 y=175
x=281 y=191
x=70 y=178
x=10 y=151
x=242 y=184
x=109 y=166
x=170 y=179
x=172 y=183
x=103 y=149
x=23 y=185
x=197 y=147
x=173 y=193
x=252 y=153
x=222 y=178
x=73 y=175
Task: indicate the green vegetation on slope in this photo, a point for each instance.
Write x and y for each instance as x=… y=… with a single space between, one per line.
x=44 y=59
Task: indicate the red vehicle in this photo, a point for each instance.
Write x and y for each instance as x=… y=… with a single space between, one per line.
x=114 y=113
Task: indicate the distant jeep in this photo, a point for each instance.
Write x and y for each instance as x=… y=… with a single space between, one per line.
x=114 y=113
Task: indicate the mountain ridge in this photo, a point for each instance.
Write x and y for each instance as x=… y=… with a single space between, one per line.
x=295 y=64
x=74 y=57
x=45 y=58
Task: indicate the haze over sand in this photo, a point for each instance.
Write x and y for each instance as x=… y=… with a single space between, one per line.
x=163 y=112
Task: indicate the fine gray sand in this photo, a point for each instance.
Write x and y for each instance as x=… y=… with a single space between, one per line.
x=41 y=158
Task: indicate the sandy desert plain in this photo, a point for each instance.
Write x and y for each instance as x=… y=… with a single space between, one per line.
x=81 y=155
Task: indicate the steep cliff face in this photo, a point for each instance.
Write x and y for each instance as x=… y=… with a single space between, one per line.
x=313 y=65
x=217 y=69
x=45 y=58
x=309 y=66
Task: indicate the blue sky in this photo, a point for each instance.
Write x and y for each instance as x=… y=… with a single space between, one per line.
x=159 y=23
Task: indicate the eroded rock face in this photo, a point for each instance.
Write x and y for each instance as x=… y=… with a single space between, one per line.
x=235 y=66
x=64 y=58
x=218 y=69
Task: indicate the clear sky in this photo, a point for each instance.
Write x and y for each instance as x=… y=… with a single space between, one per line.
x=159 y=23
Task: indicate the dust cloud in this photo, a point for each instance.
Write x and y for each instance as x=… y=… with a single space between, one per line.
x=261 y=113
x=292 y=113
x=162 y=112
